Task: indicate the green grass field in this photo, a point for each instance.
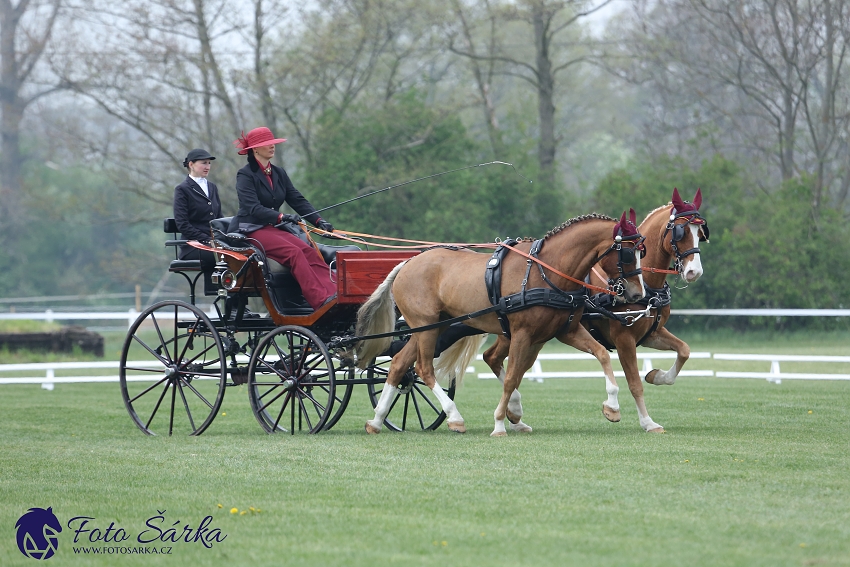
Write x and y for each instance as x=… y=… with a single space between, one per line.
x=749 y=473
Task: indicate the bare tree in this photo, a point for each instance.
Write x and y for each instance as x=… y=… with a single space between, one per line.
x=160 y=70
x=25 y=31
x=547 y=21
x=772 y=71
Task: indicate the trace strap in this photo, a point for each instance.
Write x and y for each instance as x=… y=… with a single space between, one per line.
x=565 y=276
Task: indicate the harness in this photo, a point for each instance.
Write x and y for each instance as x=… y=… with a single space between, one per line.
x=598 y=306
x=551 y=296
x=677 y=233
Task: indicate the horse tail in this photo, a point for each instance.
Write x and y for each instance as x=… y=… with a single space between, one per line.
x=376 y=316
x=453 y=362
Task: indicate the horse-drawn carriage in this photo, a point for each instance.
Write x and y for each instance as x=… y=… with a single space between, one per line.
x=178 y=361
x=300 y=365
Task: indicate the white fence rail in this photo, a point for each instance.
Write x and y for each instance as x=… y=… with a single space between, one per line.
x=536 y=373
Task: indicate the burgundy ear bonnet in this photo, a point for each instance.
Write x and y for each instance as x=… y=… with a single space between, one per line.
x=682 y=208
x=626 y=228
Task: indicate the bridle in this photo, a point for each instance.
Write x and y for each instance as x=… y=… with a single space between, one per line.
x=677 y=233
x=625 y=255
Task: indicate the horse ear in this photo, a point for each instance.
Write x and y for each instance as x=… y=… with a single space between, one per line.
x=698 y=198
x=632 y=216
x=678 y=203
x=618 y=228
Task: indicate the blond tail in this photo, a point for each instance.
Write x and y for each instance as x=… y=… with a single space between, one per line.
x=376 y=316
x=453 y=362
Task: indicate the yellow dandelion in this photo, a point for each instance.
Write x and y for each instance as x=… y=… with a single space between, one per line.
x=687 y=461
x=482 y=534
x=234 y=510
x=810 y=411
x=243 y=512
x=219 y=505
x=445 y=543
x=700 y=399
x=223 y=413
x=802 y=545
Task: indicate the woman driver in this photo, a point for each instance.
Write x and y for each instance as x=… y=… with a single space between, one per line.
x=262 y=188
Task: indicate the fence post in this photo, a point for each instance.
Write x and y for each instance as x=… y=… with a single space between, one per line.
x=48 y=315
x=774 y=369
x=49 y=376
x=131 y=317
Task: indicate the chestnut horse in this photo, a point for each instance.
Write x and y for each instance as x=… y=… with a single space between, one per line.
x=440 y=284
x=673 y=233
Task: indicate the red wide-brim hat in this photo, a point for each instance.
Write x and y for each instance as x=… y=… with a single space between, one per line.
x=256 y=138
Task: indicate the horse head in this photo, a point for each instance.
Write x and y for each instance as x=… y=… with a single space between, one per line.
x=687 y=229
x=628 y=245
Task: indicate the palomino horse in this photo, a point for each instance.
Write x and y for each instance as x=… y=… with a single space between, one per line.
x=441 y=284
x=673 y=233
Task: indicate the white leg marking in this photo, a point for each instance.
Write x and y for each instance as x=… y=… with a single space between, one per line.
x=648 y=425
x=613 y=390
x=388 y=396
x=499 y=429
x=452 y=414
x=666 y=378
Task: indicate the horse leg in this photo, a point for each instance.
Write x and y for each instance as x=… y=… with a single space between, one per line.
x=662 y=339
x=522 y=356
x=425 y=369
x=580 y=339
x=398 y=366
x=495 y=358
x=627 y=350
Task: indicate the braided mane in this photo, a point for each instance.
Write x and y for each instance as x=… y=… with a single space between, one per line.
x=653 y=211
x=577 y=219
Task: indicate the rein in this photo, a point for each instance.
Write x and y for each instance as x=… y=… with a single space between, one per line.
x=565 y=276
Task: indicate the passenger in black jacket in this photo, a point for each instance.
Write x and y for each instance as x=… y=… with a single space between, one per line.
x=262 y=189
x=196 y=203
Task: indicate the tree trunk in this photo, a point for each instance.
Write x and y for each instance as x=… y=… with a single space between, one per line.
x=545 y=97
x=13 y=110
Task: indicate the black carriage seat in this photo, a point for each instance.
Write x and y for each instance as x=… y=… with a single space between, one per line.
x=181 y=267
x=285 y=291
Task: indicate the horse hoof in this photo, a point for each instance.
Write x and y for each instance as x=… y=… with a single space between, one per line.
x=611 y=415
x=650 y=376
x=371 y=429
x=499 y=434
x=521 y=427
x=658 y=429
x=457 y=426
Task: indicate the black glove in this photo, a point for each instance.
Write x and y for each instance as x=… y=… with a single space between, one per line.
x=288 y=219
x=327 y=227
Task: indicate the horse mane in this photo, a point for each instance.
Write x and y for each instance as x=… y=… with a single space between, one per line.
x=576 y=220
x=655 y=210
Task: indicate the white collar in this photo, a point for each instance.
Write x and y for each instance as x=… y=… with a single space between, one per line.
x=198 y=180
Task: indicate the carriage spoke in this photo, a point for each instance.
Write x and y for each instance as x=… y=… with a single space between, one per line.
x=165 y=362
x=156 y=407
x=186 y=405
x=305 y=412
x=190 y=335
x=416 y=407
x=427 y=399
x=282 y=411
x=274 y=399
x=404 y=415
x=162 y=342
x=146 y=390
x=173 y=399
x=196 y=392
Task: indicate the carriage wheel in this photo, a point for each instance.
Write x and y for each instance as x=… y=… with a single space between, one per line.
x=414 y=407
x=343 y=395
x=291 y=381
x=172 y=370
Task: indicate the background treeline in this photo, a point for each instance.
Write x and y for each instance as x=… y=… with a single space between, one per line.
x=605 y=106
